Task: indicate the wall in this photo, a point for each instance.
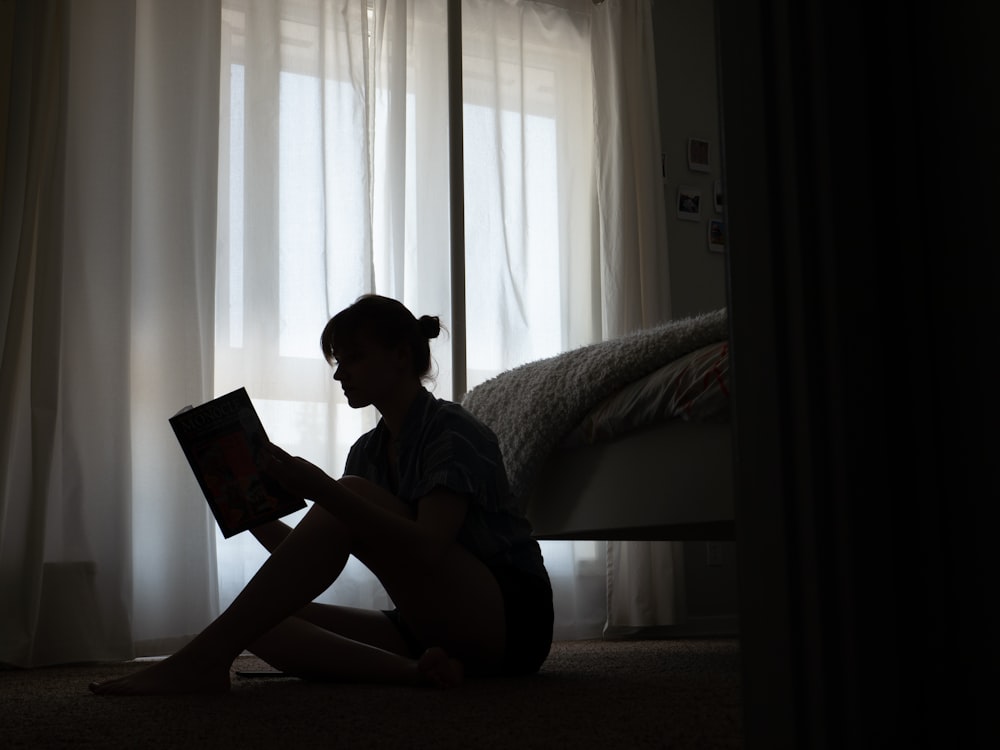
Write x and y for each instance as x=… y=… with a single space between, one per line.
x=684 y=33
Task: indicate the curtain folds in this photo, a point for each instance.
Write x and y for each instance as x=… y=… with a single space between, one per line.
x=634 y=270
x=172 y=240
x=108 y=219
x=31 y=281
x=642 y=576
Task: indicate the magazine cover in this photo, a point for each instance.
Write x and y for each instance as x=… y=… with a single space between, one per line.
x=221 y=440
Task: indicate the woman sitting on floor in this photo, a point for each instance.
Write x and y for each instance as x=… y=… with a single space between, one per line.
x=424 y=503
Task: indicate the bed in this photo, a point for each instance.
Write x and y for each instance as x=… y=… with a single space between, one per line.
x=621 y=440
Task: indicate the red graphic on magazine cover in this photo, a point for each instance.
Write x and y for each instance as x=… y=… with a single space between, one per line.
x=232 y=479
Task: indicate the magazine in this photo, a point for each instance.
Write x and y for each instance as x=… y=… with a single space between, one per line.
x=222 y=439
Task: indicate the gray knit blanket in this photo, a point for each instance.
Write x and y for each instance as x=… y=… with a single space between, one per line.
x=532 y=408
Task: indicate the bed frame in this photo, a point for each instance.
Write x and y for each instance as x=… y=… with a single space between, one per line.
x=671 y=482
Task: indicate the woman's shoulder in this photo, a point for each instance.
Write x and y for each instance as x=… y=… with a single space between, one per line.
x=454 y=436
x=448 y=415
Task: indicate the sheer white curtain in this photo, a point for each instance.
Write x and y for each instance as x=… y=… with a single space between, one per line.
x=333 y=182
x=108 y=251
x=643 y=577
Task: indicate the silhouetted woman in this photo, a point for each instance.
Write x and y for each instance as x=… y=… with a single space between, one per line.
x=424 y=503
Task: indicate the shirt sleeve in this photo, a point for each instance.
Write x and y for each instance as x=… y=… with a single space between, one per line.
x=462 y=456
x=359 y=462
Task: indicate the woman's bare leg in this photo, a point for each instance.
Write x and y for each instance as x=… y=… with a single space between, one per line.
x=457 y=604
x=295 y=573
x=333 y=642
x=454 y=603
x=304 y=649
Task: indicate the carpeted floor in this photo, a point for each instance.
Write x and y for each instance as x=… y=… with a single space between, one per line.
x=589 y=694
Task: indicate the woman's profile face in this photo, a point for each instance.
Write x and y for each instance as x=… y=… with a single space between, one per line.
x=369 y=372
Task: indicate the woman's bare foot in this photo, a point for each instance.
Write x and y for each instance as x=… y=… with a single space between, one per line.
x=439 y=669
x=168 y=677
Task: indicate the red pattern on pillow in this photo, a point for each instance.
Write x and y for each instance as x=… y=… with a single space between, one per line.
x=694 y=387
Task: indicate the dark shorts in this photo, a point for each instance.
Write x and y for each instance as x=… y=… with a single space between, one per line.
x=528 y=616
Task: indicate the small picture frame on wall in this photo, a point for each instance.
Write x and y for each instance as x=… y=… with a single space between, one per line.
x=688 y=203
x=716 y=235
x=698 y=155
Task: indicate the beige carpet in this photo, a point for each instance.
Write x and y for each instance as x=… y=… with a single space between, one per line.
x=589 y=694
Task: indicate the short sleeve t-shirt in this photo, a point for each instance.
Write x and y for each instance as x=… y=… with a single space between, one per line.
x=442 y=445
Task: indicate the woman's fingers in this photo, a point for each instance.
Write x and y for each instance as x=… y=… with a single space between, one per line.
x=296 y=474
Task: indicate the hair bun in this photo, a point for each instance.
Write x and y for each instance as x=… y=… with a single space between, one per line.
x=429 y=326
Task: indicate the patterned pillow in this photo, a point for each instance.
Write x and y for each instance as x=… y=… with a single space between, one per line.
x=694 y=387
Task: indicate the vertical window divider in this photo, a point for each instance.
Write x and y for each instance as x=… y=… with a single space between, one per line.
x=456 y=167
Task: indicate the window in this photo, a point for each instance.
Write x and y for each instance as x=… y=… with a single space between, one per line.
x=334 y=182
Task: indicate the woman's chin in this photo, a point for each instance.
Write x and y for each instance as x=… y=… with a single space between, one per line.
x=356 y=400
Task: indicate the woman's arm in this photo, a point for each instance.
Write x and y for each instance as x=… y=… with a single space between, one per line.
x=271 y=534
x=373 y=515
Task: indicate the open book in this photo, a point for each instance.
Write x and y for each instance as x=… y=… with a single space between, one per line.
x=221 y=440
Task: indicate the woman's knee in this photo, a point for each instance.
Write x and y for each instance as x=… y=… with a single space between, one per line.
x=374 y=493
x=359 y=485
x=322 y=536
